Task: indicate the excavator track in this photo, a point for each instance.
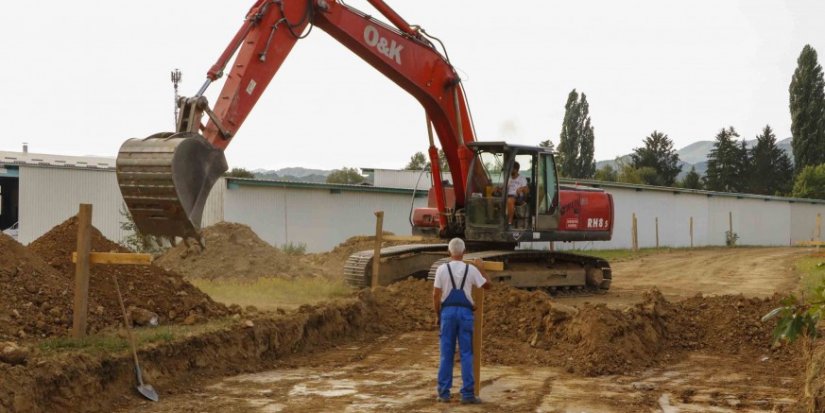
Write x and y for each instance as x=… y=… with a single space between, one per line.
x=397 y=263
x=557 y=273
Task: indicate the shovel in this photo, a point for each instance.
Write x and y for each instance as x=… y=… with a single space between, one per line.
x=145 y=389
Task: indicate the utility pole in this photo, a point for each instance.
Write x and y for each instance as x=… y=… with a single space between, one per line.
x=177 y=76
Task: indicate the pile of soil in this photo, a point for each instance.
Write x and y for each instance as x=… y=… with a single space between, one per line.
x=522 y=327
x=33 y=297
x=331 y=263
x=814 y=395
x=44 y=299
x=232 y=251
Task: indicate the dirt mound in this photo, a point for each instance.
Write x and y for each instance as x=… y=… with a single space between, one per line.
x=522 y=327
x=232 y=251
x=147 y=287
x=814 y=395
x=331 y=263
x=32 y=294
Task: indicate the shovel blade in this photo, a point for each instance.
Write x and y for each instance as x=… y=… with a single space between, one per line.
x=148 y=392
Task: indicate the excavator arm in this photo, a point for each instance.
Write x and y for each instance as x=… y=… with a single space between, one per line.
x=166 y=178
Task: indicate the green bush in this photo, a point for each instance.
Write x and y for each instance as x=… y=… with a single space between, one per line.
x=810 y=183
x=798 y=318
x=298 y=248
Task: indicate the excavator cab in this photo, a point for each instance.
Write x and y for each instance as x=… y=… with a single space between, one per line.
x=487 y=213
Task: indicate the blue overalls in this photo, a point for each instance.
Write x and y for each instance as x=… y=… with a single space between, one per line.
x=456 y=322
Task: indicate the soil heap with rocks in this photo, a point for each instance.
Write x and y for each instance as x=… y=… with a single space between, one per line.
x=33 y=297
x=43 y=296
x=232 y=251
x=522 y=327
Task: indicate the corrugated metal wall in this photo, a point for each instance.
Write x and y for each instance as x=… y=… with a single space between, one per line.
x=755 y=221
x=320 y=218
x=803 y=222
x=406 y=179
x=49 y=196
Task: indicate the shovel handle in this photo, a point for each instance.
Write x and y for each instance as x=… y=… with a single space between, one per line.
x=128 y=326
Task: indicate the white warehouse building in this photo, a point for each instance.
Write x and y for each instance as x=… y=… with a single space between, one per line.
x=38 y=192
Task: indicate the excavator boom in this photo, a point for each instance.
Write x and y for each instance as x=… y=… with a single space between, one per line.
x=166 y=178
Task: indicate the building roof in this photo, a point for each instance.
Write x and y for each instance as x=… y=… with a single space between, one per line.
x=42 y=159
x=233 y=183
x=641 y=187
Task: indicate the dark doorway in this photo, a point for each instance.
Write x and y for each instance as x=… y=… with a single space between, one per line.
x=9 y=199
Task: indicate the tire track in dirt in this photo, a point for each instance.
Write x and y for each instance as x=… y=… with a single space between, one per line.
x=683 y=273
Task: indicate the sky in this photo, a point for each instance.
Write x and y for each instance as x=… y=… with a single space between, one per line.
x=80 y=77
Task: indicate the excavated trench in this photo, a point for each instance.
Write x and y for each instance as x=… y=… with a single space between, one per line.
x=525 y=334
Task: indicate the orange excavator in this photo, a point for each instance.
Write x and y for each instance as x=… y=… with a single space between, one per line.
x=166 y=178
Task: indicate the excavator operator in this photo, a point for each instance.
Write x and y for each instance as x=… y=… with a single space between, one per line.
x=517 y=190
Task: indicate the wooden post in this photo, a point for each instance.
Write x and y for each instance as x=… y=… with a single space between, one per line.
x=81 y=275
x=730 y=223
x=657 y=232
x=376 y=255
x=691 y=232
x=478 y=326
x=819 y=227
x=634 y=234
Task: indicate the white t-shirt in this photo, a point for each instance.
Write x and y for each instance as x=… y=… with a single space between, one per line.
x=515 y=183
x=442 y=279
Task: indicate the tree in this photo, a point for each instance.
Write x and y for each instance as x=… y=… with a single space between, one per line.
x=576 y=141
x=810 y=183
x=136 y=241
x=807 y=105
x=547 y=144
x=239 y=173
x=771 y=170
x=345 y=176
x=658 y=153
x=442 y=158
x=628 y=174
x=606 y=173
x=692 y=179
x=743 y=167
x=724 y=163
x=417 y=162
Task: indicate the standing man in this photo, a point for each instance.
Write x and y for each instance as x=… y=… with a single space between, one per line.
x=453 y=303
x=517 y=189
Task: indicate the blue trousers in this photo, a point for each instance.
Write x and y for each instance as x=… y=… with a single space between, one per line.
x=456 y=324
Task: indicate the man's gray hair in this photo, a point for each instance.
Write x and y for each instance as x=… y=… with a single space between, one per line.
x=456 y=246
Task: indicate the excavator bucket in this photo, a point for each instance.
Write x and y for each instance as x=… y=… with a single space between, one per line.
x=165 y=180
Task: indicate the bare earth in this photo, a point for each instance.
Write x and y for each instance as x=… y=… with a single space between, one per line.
x=397 y=373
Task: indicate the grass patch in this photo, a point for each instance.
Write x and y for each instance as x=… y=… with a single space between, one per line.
x=272 y=293
x=812 y=272
x=115 y=341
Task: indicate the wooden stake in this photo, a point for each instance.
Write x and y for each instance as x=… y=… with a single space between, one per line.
x=634 y=234
x=81 y=277
x=376 y=255
x=730 y=223
x=657 y=232
x=478 y=326
x=819 y=227
x=122 y=258
x=691 y=232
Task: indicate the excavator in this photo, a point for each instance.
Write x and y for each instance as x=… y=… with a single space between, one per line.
x=165 y=178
